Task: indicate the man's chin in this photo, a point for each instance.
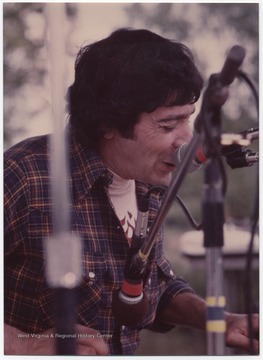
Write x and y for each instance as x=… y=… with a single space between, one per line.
x=162 y=181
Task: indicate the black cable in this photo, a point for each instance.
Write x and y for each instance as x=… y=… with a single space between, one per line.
x=241 y=74
x=254 y=224
x=191 y=219
x=248 y=277
x=162 y=190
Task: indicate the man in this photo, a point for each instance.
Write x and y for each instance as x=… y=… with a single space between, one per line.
x=129 y=110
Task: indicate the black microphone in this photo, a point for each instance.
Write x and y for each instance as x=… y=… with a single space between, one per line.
x=130 y=304
x=232 y=63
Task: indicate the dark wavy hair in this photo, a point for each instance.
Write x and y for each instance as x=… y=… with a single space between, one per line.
x=125 y=74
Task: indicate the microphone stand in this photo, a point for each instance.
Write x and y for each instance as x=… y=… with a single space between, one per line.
x=141 y=257
x=130 y=304
x=207 y=125
x=62 y=249
x=213 y=208
x=213 y=221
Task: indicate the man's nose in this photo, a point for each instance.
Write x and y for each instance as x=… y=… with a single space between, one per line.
x=185 y=136
x=188 y=133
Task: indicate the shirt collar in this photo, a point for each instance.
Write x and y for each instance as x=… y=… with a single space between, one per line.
x=86 y=168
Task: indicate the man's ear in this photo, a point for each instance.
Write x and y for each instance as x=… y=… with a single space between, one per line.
x=109 y=134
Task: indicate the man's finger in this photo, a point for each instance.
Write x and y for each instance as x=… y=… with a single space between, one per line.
x=87 y=337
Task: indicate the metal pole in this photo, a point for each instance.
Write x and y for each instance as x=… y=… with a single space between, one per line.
x=170 y=195
x=215 y=299
x=63 y=249
x=213 y=202
x=213 y=221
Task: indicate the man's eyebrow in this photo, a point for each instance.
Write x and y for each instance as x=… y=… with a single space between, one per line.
x=177 y=117
x=172 y=118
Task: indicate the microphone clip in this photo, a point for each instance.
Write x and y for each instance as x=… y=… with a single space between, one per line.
x=238 y=157
x=243 y=138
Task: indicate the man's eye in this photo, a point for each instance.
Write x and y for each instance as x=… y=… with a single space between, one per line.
x=168 y=128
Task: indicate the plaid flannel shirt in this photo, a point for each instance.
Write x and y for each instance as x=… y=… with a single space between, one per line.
x=28 y=298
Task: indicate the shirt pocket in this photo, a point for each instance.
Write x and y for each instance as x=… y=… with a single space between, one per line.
x=158 y=274
x=92 y=298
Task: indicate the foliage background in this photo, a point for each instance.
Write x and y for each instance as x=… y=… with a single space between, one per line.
x=209 y=29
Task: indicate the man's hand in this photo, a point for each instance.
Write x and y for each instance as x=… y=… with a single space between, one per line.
x=188 y=309
x=237 y=334
x=45 y=345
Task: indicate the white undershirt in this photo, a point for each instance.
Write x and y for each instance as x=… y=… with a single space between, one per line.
x=123 y=197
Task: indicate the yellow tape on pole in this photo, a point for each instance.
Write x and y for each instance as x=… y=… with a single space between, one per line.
x=216 y=326
x=216 y=301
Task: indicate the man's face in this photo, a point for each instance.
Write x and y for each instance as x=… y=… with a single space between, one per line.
x=148 y=156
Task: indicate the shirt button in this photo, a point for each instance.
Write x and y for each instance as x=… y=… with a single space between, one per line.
x=171 y=272
x=123 y=328
x=149 y=281
x=91 y=275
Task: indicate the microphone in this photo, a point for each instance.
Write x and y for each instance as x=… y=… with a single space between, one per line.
x=129 y=303
x=232 y=63
x=232 y=148
x=216 y=92
x=199 y=159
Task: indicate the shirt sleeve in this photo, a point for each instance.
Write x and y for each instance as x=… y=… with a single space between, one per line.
x=15 y=206
x=174 y=288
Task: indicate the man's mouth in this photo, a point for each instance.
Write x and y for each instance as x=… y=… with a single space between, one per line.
x=170 y=165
